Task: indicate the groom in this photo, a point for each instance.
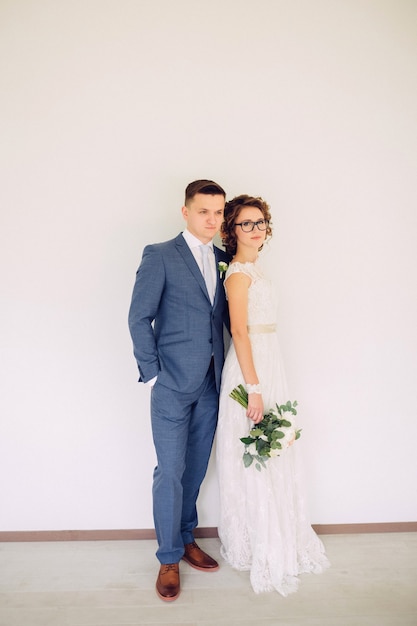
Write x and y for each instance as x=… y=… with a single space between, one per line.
x=176 y=321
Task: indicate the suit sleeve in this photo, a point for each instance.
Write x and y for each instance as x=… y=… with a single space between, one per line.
x=147 y=292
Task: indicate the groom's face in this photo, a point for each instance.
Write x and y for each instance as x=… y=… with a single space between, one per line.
x=204 y=215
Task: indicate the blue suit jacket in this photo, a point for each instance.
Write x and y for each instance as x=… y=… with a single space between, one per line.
x=174 y=327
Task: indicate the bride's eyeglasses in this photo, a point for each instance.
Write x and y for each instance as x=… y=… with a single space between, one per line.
x=248 y=227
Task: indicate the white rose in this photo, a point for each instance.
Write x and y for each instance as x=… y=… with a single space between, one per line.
x=289 y=438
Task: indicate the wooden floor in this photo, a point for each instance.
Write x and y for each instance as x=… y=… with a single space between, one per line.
x=372 y=582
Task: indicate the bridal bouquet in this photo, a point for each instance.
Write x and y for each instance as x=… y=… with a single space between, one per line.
x=272 y=435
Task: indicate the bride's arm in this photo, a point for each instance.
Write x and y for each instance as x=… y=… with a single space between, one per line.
x=237 y=293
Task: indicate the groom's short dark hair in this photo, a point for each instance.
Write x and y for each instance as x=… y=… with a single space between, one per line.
x=208 y=187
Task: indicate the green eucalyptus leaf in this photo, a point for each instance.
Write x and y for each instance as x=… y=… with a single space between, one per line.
x=247 y=440
x=265 y=452
x=247 y=459
x=262 y=446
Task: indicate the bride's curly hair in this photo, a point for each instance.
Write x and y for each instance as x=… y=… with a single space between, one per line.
x=231 y=214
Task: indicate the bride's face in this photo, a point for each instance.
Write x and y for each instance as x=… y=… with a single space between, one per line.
x=245 y=221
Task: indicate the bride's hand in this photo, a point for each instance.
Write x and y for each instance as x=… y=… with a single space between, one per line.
x=255 y=410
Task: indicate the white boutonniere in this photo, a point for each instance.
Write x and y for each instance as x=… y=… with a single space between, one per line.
x=222 y=267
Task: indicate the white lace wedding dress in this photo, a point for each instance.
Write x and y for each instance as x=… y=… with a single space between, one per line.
x=263 y=524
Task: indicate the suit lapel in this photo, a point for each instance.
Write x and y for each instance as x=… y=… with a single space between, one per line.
x=191 y=263
x=219 y=281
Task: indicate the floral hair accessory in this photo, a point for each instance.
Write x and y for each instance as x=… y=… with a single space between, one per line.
x=222 y=267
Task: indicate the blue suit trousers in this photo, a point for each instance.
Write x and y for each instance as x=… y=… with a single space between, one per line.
x=183 y=428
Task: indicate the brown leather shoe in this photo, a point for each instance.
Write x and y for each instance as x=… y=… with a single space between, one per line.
x=168 y=582
x=195 y=557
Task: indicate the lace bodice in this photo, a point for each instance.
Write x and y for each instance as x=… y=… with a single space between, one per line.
x=261 y=298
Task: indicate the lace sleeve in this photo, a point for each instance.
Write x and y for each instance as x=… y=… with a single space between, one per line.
x=236 y=268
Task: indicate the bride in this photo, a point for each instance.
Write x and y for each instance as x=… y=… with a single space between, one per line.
x=263 y=523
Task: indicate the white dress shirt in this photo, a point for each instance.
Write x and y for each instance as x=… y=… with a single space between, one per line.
x=194 y=245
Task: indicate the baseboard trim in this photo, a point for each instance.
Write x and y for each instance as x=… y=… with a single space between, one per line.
x=129 y=535
x=379 y=527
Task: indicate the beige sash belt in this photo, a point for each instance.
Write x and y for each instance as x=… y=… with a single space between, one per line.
x=262 y=328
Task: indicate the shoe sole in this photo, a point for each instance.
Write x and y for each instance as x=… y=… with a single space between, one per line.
x=201 y=569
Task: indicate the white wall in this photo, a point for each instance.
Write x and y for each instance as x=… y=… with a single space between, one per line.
x=108 y=110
